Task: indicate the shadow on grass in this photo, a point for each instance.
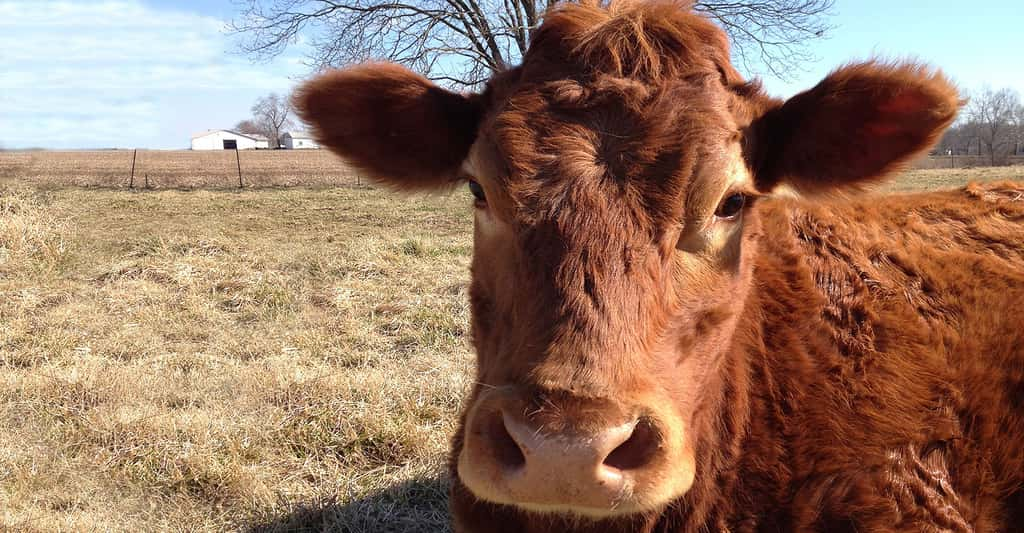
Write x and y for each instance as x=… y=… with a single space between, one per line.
x=420 y=505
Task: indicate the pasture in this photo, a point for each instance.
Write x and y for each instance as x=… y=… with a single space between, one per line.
x=265 y=359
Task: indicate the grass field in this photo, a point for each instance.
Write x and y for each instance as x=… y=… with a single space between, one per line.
x=922 y=180
x=258 y=360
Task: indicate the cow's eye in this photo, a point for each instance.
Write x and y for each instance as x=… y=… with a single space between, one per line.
x=478 y=191
x=731 y=206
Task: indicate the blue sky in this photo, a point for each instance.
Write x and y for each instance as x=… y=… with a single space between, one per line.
x=976 y=42
x=149 y=73
x=125 y=73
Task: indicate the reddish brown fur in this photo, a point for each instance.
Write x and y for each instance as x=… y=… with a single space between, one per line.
x=410 y=160
x=838 y=364
x=868 y=136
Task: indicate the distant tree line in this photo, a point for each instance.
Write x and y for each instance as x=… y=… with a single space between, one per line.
x=271 y=118
x=991 y=125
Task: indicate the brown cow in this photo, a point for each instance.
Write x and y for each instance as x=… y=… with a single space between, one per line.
x=662 y=347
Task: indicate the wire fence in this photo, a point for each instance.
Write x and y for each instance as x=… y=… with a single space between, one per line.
x=182 y=169
x=967 y=161
x=223 y=169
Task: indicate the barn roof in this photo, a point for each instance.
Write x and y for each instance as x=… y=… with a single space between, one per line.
x=299 y=135
x=253 y=136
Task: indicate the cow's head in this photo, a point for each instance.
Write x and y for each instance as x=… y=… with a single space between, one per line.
x=616 y=174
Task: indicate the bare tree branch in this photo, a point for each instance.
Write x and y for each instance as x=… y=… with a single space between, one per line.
x=461 y=42
x=773 y=33
x=249 y=126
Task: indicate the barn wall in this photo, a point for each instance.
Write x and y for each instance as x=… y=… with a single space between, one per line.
x=300 y=143
x=215 y=141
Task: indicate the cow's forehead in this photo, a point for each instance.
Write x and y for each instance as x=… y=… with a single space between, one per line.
x=608 y=143
x=629 y=100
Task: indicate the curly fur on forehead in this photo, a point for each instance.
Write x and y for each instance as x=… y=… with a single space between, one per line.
x=647 y=41
x=563 y=144
x=609 y=99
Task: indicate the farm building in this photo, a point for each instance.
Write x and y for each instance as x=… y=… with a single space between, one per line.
x=228 y=140
x=298 y=140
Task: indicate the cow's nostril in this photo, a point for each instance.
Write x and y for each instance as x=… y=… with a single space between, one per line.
x=505 y=448
x=638 y=450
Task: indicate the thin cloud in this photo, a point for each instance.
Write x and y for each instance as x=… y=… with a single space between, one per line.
x=80 y=74
x=120 y=44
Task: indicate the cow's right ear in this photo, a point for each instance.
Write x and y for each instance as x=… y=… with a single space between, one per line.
x=860 y=124
x=395 y=125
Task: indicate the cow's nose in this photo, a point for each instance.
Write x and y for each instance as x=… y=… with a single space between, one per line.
x=595 y=468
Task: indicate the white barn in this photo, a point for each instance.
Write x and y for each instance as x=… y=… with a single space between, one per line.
x=299 y=140
x=228 y=140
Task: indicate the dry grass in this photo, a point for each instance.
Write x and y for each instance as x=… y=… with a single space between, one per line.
x=928 y=179
x=266 y=360
x=218 y=360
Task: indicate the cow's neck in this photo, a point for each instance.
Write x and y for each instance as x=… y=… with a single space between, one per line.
x=757 y=392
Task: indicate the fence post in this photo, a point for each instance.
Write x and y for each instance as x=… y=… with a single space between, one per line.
x=131 y=180
x=238 y=162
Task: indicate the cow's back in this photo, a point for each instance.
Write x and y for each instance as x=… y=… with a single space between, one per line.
x=920 y=415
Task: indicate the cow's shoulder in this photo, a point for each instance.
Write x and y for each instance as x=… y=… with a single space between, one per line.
x=901 y=342
x=919 y=263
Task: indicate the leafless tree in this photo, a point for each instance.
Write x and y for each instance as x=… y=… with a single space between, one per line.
x=1018 y=124
x=250 y=126
x=993 y=112
x=462 y=42
x=272 y=114
x=956 y=140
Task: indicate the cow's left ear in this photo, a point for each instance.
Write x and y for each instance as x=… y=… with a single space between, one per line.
x=857 y=126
